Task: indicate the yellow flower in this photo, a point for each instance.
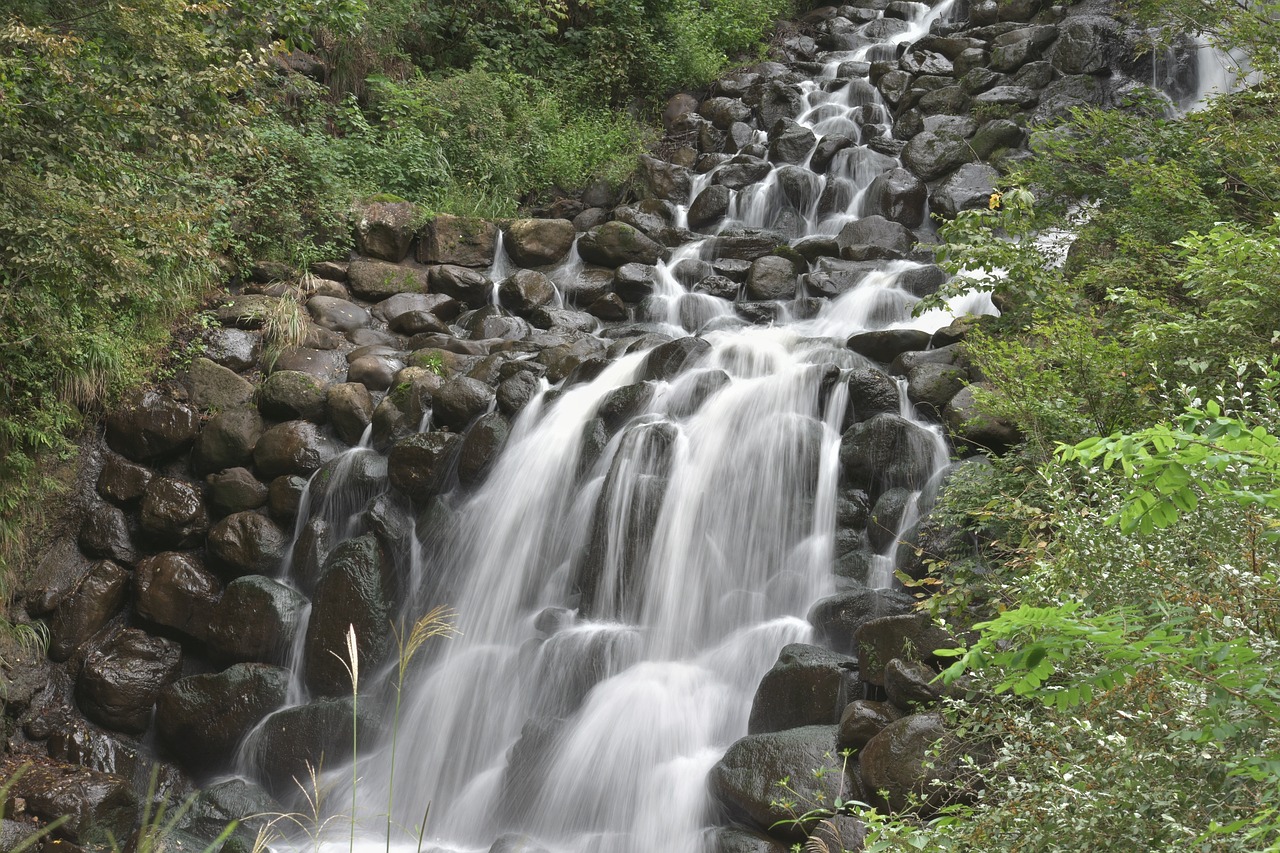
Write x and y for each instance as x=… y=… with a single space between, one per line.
x=993 y=203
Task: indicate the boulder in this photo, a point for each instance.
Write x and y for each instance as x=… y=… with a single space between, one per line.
x=284 y=497
x=104 y=532
x=96 y=808
x=933 y=155
x=121 y=679
x=88 y=607
x=709 y=207
x=460 y=401
x=913 y=757
x=771 y=277
x=862 y=720
x=246 y=543
x=911 y=685
x=293 y=447
x=338 y=315
x=148 y=426
x=460 y=240
x=972 y=426
x=256 y=619
x=217 y=805
x=931 y=386
x=808 y=686
x=668 y=360
x=525 y=291
x=538 y=242
x=633 y=282
x=968 y=187
x=887 y=451
x=173 y=514
x=235 y=490
x=997 y=135
x=896 y=195
x=121 y=481
x=480 y=446
x=215 y=388
x=234 y=349
x=203 y=718
x=227 y=440
x=326 y=365
x=351 y=595
x=515 y=392
x=464 y=284
x=615 y=244
x=1011 y=50
x=175 y=590
x=291 y=742
x=350 y=407
x=376 y=372
x=724 y=112
x=384 y=229
x=374 y=281
x=1086 y=44
x=884 y=345
x=790 y=142
x=662 y=180
x=741 y=172
x=873 y=237
x=906 y=636
x=835 y=619
x=779 y=100
x=419 y=465
x=871 y=392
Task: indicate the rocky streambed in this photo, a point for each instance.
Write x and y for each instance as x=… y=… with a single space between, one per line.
x=662 y=448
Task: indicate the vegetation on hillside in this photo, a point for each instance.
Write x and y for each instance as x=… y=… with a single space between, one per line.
x=1125 y=584
x=150 y=149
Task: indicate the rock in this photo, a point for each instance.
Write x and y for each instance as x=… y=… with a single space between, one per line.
x=677 y=106
x=464 y=284
x=384 y=229
x=906 y=636
x=862 y=720
x=668 y=360
x=745 y=781
x=995 y=136
x=148 y=426
x=871 y=392
x=338 y=315
x=217 y=805
x=771 y=277
x=1011 y=50
x=204 y=718
x=459 y=401
x=246 y=543
x=615 y=244
x=256 y=619
x=234 y=349
x=561 y=360
x=105 y=533
x=83 y=612
x=215 y=388
x=307 y=736
x=374 y=280
x=419 y=466
x=227 y=440
x=885 y=345
x=121 y=481
x=931 y=386
x=460 y=240
x=723 y=112
x=284 y=496
x=173 y=513
x=633 y=282
x=662 y=180
x=970 y=425
x=874 y=237
x=375 y=372
x=1066 y=93
x=741 y=172
x=538 y=242
x=709 y=207
x=525 y=291
x=121 y=679
x=515 y=393
x=247 y=311
x=910 y=685
x=887 y=451
x=1086 y=44
x=790 y=142
x=293 y=447
x=808 y=686
x=351 y=595
x=903 y=762
x=95 y=807
x=328 y=366
x=932 y=155
x=350 y=407
x=175 y=590
x=733 y=839
x=835 y=619
x=480 y=446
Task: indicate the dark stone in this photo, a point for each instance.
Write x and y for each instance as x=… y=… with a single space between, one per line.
x=121 y=481
x=461 y=240
x=741 y=172
x=176 y=591
x=910 y=685
x=121 y=679
x=615 y=244
x=1011 y=50
x=293 y=447
x=105 y=533
x=203 y=718
x=419 y=466
x=215 y=388
x=932 y=385
x=464 y=284
x=887 y=451
x=235 y=490
x=227 y=441
x=515 y=393
x=374 y=281
x=873 y=237
x=974 y=427
x=173 y=513
x=246 y=543
x=905 y=761
x=661 y=180
x=288 y=395
x=480 y=446
x=709 y=207
x=862 y=720
x=256 y=619
x=885 y=345
x=666 y=361
x=217 y=805
x=808 y=686
x=771 y=277
x=148 y=426
x=790 y=142
x=291 y=742
x=932 y=155
x=284 y=497
x=525 y=291
x=907 y=636
x=871 y=393
x=234 y=349
x=633 y=282
x=538 y=242
x=350 y=408
x=459 y=401
x=724 y=112
x=997 y=135
x=835 y=619
x=88 y=607
x=351 y=595
x=337 y=315
x=95 y=807
x=384 y=229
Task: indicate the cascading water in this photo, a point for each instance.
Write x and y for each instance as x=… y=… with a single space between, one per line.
x=620 y=600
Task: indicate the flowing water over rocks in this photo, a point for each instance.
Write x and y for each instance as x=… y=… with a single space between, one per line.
x=664 y=460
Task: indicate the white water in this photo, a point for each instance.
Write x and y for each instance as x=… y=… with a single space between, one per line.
x=618 y=613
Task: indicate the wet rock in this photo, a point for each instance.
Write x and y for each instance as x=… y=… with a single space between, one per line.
x=215 y=388
x=374 y=281
x=779 y=100
x=615 y=244
x=105 y=533
x=996 y=136
x=826 y=150
x=808 y=686
x=723 y=112
x=862 y=720
x=121 y=679
x=327 y=366
x=745 y=781
x=525 y=291
x=284 y=497
x=460 y=240
x=668 y=360
x=933 y=155
x=148 y=426
x=732 y=839
x=384 y=229
x=741 y=172
x=95 y=807
x=910 y=685
x=887 y=451
x=931 y=386
x=256 y=619
x=351 y=595
x=217 y=805
x=538 y=242
x=312 y=735
x=835 y=619
x=663 y=180
x=466 y=285
x=246 y=543
x=293 y=447
x=903 y=762
x=375 y=372
x=871 y=392
x=338 y=315
x=771 y=277
x=204 y=718
x=885 y=345
x=88 y=607
x=1086 y=44
x=459 y=401
x=874 y=237
x=906 y=636
x=633 y=282
x=886 y=518
x=609 y=308
x=790 y=142
x=1066 y=93
x=744 y=245
x=173 y=513
x=969 y=424
x=247 y=310
x=948 y=100
x=515 y=393
x=926 y=62
x=481 y=446
x=562 y=359
x=121 y=481
x=175 y=590
x=419 y=466
x=234 y=349
x=709 y=207
x=350 y=407
x=227 y=440
x=1011 y=50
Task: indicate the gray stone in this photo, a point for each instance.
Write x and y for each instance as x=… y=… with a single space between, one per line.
x=661 y=180
x=525 y=291
x=176 y=591
x=246 y=543
x=351 y=596
x=374 y=280
x=235 y=349
x=771 y=277
x=464 y=284
x=338 y=315
x=709 y=207
x=104 y=532
x=808 y=686
x=94 y=807
x=615 y=244
x=350 y=408
x=863 y=719
x=293 y=447
x=204 y=718
x=538 y=242
x=384 y=229
x=121 y=481
x=873 y=237
x=969 y=424
x=790 y=142
x=256 y=619
x=905 y=636
x=227 y=440
x=216 y=388
x=911 y=758
x=461 y=240
x=933 y=155
x=121 y=679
